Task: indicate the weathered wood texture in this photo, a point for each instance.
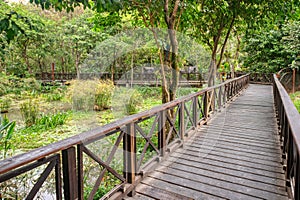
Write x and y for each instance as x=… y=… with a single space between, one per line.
x=235 y=156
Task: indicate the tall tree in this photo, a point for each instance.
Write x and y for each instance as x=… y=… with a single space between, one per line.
x=213 y=21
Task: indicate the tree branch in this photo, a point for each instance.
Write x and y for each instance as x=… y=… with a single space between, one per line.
x=225 y=41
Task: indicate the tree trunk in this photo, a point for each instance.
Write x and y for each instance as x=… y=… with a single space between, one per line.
x=212 y=71
x=174 y=64
x=40 y=66
x=77 y=64
x=225 y=41
x=164 y=84
x=26 y=58
x=131 y=73
x=62 y=65
x=236 y=56
x=170 y=19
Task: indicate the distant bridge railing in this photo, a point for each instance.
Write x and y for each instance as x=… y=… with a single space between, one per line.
x=46 y=76
x=289 y=125
x=256 y=77
x=135 y=144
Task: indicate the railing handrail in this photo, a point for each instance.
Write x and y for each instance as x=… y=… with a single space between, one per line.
x=292 y=113
x=289 y=132
x=36 y=154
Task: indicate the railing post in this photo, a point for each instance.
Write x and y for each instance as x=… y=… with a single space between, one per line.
x=206 y=105
x=58 y=186
x=70 y=174
x=129 y=152
x=228 y=91
x=181 y=120
x=162 y=133
x=220 y=98
x=195 y=112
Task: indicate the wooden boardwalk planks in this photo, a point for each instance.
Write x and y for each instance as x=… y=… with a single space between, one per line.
x=236 y=156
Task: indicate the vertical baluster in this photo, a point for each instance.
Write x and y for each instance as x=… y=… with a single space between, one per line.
x=129 y=152
x=297 y=177
x=195 y=111
x=80 y=170
x=58 y=185
x=162 y=133
x=289 y=158
x=226 y=92
x=220 y=98
x=70 y=173
x=206 y=106
x=181 y=120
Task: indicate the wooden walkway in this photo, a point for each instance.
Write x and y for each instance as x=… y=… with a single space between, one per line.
x=236 y=156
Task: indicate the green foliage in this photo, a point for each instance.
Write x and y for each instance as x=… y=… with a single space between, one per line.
x=273 y=49
x=127 y=101
x=6 y=133
x=102 y=190
x=16 y=85
x=186 y=91
x=147 y=91
x=51 y=121
x=47 y=122
x=30 y=112
x=56 y=94
x=4 y=104
x=103 y=94
x=11 y=25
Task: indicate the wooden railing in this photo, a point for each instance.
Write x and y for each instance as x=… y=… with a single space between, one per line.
x=136 y=144
x=260 y=78
x=105 y=75
x=289 y=126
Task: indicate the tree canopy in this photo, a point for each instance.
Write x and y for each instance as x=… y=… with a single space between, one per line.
x=258 y=35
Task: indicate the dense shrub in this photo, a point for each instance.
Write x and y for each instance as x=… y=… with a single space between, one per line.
x=91 y=94
x=82 y=94
x=103 y=95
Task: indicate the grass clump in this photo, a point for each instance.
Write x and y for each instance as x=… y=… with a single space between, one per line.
x=30 y=112
x=296 y=100
x=127 y=101
x=90 y=95
x=82 y=94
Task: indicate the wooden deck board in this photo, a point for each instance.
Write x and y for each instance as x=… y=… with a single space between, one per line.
x=222 y=175
x=179 y=189
x=159 y=193
x=231 y=168
x=236 y=156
